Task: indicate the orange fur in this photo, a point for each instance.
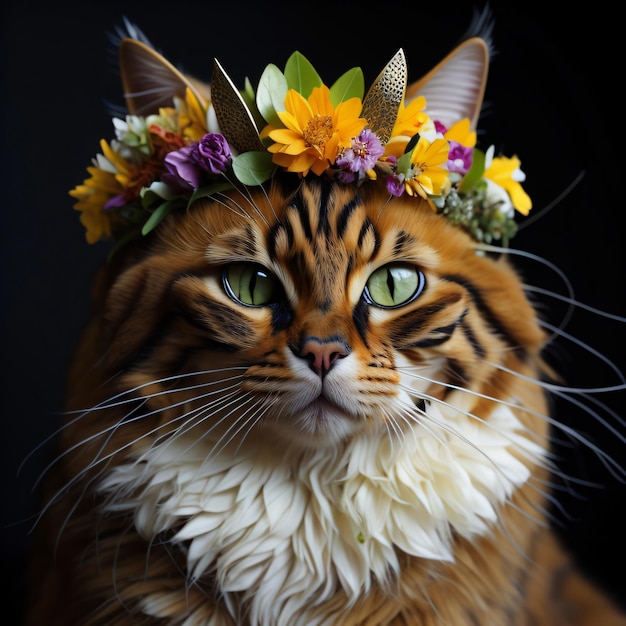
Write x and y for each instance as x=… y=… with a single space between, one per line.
x=152 y=315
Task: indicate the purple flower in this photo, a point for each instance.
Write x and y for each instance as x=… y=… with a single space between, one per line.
x=345 y=176
x=116 y=201
x=188 y=166
x=215 y=153
x=459 y=158
x=440 y=128
x=395 y=184
x=183 y=170
x=362 y=155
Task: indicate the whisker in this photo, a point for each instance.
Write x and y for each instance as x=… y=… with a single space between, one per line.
x=224 y=442
x=586 y=347
x=237 y=400
x=246 y=193
x=550 y=466
x=505 y=480
x=566 y=393
x=97 y=459
x=113 y=402
x=536 y=215
x=470 y=392
x=126 y=419
x=575 y=303
x=542 y=261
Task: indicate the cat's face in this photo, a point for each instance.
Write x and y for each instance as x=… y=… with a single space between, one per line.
x=312 y=318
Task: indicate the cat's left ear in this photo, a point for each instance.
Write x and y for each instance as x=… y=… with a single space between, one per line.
x=150 y=81
x=455 y=88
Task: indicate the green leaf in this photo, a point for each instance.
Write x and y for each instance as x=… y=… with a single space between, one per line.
x=155 y=194
x=253 y=168
x=348 y=85
x=404 y=164
x=247 y=93
x=301 y=75
x=249 y=98
x=475 y=172
x=209 y=190
x=271 y=94
x=158 y=214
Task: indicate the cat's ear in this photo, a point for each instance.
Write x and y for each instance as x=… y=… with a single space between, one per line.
x=150 y=81
x=455 y=88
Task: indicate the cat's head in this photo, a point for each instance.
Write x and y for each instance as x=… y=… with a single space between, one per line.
x=334 y=297
x=312 y=313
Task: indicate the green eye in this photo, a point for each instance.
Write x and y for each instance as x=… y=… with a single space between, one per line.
x=394 y=285
x=250 y=284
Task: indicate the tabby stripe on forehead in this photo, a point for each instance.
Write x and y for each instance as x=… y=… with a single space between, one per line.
x=324 y=226
x=368 y=227
x=492 y=320
x=403 y=242
x=344 y=215
x=303 y=214
x=274 y=234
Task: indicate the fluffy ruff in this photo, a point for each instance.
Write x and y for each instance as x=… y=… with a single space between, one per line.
x=273 y=529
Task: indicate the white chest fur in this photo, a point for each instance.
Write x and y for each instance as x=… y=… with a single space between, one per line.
x=277 y=528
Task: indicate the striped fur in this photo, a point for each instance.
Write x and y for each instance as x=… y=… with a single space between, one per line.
x=173 y=372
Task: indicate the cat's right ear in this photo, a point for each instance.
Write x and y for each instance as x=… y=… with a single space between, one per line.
x=455 y=87
x=150 y=81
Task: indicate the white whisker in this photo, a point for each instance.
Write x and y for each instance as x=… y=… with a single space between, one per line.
x=573 y=302
x=586 y=347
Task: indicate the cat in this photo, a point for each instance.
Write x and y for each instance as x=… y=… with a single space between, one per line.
x=306 y=401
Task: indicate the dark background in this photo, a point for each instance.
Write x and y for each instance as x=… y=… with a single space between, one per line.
x=552 y=99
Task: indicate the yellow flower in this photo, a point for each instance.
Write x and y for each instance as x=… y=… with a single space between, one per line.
x=430 y=176
x=192 y=117
x=506 y=173
x=92 y=196
x=111 y=177
x=462 y=133
x=411 y=119
x=314 y=131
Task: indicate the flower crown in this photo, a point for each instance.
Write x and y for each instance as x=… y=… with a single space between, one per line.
x=206 y=141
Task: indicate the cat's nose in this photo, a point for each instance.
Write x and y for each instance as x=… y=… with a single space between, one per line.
x=322 y=354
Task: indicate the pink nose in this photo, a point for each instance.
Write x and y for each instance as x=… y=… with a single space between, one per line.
x=322 y=355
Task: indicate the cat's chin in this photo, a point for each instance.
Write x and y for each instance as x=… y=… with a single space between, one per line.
x=320 y=423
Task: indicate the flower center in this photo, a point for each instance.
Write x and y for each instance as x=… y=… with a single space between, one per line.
x=318 y=131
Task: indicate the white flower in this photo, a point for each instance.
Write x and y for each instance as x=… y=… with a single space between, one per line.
x=498 y=196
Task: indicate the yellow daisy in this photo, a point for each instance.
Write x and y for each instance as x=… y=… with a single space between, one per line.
x=411 y=119
x=314 y=131
x=111 y=176
x=462 y=133
x=430 y=176
x=91 y=198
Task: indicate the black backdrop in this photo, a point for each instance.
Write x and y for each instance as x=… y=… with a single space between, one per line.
x=551 y=99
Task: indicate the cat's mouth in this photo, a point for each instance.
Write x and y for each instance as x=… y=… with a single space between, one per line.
x=324 y=421
x=325 y=410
